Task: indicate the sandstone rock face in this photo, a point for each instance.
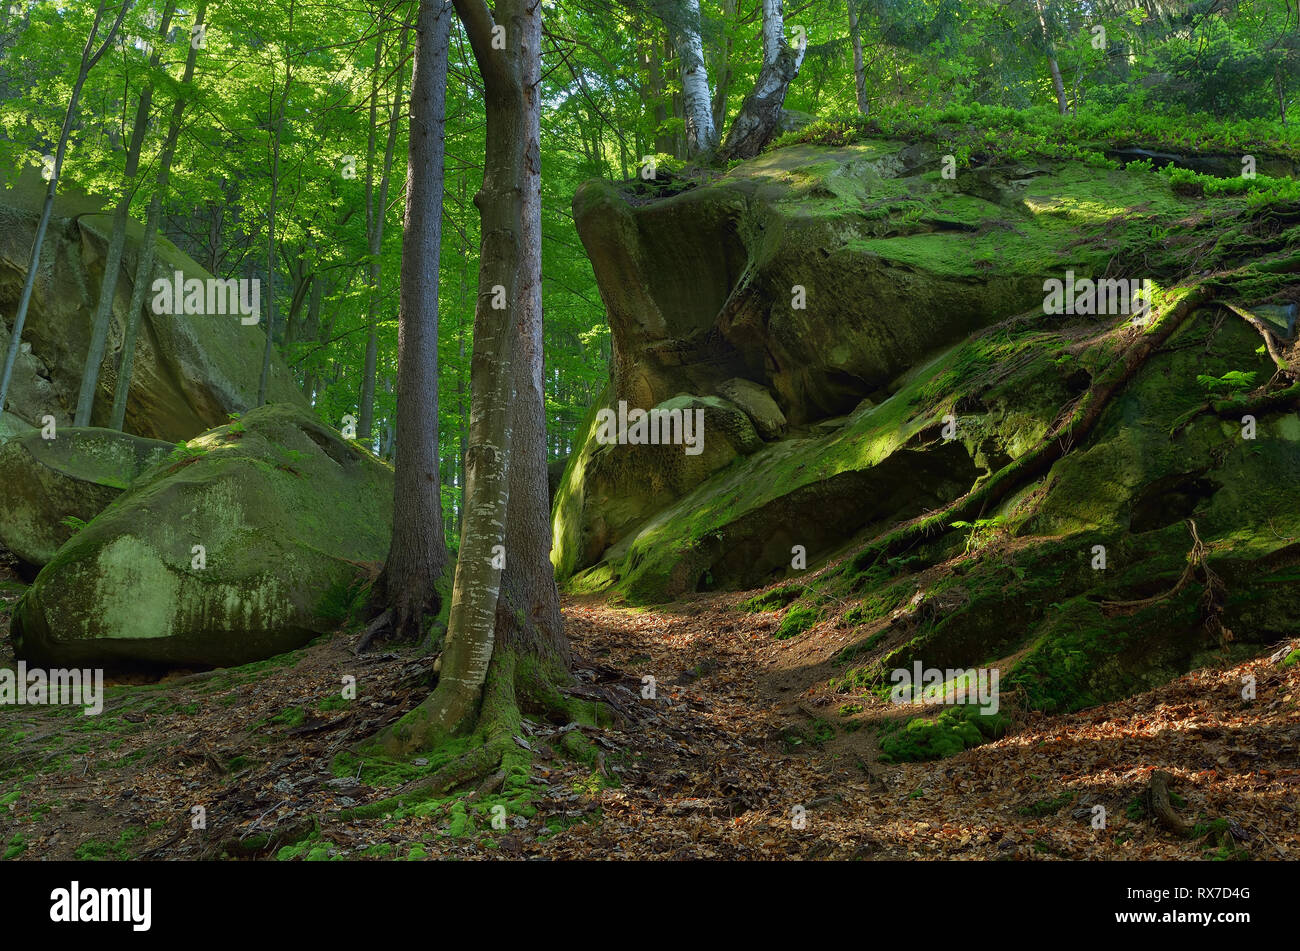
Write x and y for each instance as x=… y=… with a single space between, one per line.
x=51 y=485
x=191 y=370
x=238 y=547
x=883 y=328
x=758 y=405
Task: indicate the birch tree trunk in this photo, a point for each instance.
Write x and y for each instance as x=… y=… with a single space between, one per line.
x=697 y=103
x=88 y=61
x=417 y=555
x=761 y=112
x=153 y=219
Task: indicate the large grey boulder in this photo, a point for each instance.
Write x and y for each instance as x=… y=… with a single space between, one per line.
x=243 y=546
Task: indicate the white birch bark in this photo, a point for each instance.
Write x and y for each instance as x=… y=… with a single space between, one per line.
x=701 y=135
x=761 y=113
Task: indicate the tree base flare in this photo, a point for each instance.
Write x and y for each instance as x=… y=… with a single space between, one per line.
x=487 y=735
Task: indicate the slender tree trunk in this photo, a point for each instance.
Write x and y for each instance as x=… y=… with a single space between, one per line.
x=264 y=382
x=312 y=331
x=303 y=283
x=375 y=217
x=117 y=239
x=417 y=555
x=761 y=112
x=214 y=225
x=725 y=70
x=663 y=142
x=697 y=106
x=462 y=385
x=1279 y=81
x=145 y=253
x=859 y=69
x=88 y=61
x=454 y=704
x=1058 y=84
x=366 y=400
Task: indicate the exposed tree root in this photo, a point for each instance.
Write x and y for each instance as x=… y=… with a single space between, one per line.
x=496 y=749
x=1158 y=805
x=1266 y=400
x=1260 y=403
x=1212 y=599
x=376 y=627
x=1270 y=341
x=1071 y=432
x=252 y=844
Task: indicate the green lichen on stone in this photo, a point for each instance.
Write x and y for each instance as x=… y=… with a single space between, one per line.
x=222 y=561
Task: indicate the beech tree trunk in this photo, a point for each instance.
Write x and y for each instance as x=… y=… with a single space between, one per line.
x=528 y=606
x=88 y=61
x=145 y=253
x=761 y=112
x=417 y=554
x=453 y=705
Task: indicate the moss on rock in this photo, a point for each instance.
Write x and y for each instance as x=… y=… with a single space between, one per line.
x=51 y=485
x=224 y=554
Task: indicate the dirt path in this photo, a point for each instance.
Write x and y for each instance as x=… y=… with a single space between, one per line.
x=740 y=751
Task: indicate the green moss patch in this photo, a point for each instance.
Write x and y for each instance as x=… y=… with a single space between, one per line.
x=924 y=738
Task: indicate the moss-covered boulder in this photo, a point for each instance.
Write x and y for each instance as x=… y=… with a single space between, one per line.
x=612 y=486
x=239 y=547
x=51 y=486
x=897 y=315
x=1087 y=583
x=191 y=370
x=824 y=273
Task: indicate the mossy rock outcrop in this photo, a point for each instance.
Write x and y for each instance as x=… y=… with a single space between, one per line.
x=622 y=483
x=51 y=485
x=191 y=371
x=284 y=509
x=824 y=273
x=1078 y=587
x=925 y=367
x=866 y=291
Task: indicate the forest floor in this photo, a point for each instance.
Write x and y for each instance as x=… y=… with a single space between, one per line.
x=736 y=757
